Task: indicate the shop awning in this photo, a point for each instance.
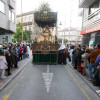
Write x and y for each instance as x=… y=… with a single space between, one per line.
x=91 y=29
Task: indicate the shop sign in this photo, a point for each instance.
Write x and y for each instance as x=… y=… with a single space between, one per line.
x=90 y=30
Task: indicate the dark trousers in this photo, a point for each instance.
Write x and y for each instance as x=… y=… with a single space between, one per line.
x=96 y=77
x=76 y=62
x=69 y=58
x=9 y=67
x=20 y=56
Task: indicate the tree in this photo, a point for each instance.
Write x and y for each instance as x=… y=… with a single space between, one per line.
x=18 y=35
x=44 y=6
x=60 y=40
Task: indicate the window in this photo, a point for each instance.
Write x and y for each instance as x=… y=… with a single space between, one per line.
x=25 y=28
x=2 y=7
x=30 y=28
x=30 y=19
x=73 y=38
x=94 y=7
x=26 y=20
x=11 y=16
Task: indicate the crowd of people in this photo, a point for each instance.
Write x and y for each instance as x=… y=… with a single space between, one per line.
x=10 y=55
x=85 y=59
x=82 y=57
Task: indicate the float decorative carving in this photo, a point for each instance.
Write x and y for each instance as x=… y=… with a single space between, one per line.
x=45 y=47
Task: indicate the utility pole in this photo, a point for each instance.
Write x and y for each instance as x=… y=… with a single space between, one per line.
x=22 y=19
x=70 y=18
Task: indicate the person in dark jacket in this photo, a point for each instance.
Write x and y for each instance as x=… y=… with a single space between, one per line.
x=8 y=58
x=80 y=52
x=75 y=56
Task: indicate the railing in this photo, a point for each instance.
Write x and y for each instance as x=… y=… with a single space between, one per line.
x=27 y=23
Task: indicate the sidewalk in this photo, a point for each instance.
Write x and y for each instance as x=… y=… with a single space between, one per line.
x=85 y=78
x=15 y=72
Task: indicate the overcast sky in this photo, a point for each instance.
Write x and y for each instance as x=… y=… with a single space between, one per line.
x=66 y=9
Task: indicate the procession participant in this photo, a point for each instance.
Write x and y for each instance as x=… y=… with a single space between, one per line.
x=62 y=54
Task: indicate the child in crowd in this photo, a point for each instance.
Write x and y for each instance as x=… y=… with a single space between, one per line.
x=3 y=65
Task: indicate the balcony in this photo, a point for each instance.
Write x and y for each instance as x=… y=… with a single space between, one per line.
x=11 y=26
x=11 y=4
x=27 y=23
x=30 y=32
x=85 y=3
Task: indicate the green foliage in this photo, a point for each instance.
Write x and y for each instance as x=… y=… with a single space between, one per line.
x=60 y=40
x=26 y=35
x=18 y=35
x=65 y=41
x=44 y=6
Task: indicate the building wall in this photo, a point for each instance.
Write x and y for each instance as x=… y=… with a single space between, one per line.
x=73 y=37
x=8 y=38
x=7 y=22
x=91 y=19
x=33 y=28
x=91 y=22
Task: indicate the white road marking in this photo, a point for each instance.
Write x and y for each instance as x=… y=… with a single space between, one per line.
x=47 y=78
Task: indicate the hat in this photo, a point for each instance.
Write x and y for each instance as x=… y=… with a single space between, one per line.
x=62 y=46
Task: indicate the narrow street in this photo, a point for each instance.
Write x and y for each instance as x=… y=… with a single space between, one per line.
x=48 y=82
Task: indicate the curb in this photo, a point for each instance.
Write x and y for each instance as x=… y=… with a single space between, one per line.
x=94 y=89
x=13 y=76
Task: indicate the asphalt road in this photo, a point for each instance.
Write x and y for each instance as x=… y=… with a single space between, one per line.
x=48 y=82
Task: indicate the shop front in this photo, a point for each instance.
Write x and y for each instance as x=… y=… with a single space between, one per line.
x=91 y=36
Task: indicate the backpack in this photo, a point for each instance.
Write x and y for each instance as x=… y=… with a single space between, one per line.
x=97 y=60
x=75 y=55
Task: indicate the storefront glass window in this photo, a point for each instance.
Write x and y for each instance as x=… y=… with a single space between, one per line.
x=92 y=39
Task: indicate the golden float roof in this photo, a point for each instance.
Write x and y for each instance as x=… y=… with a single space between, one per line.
x=48 y=18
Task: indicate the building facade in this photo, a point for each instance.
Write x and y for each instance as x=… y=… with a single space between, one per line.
x=72 y=35
x=29 y=24
x=90 y=21
x=7 y=20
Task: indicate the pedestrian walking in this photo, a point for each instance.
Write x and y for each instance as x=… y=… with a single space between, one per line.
x=3 y=65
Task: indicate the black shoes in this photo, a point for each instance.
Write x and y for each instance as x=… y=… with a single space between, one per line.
x=96 y=84
x=9 y=74
x=74 y=67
